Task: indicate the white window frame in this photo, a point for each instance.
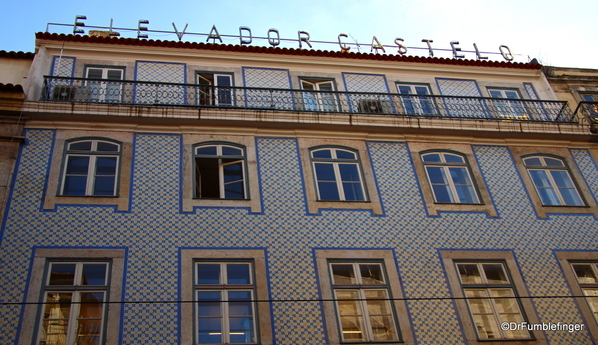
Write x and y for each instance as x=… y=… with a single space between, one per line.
x=553 y=185
x=487 y=288
x=224 y=287
x=361 y=301
x=446 y=166
x=93 y=155
x=76 y=290
x=321 y=97
x=242 y=159
x=589 y=288
x=103 y=86
x=335 y=162
x=416 y=99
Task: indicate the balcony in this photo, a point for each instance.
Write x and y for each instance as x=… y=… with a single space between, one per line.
x=587 y=110
x=143 y=93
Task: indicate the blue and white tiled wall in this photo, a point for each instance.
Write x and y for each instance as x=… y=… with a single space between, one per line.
x=154 y=230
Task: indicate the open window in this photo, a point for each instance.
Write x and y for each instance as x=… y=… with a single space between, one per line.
x=220 y=171
x=319 y=95
x=215 y=89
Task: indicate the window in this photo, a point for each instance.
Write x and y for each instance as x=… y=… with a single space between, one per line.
x=91 y=168
x=362 y=299
x=220 y=171
x=74 y=311
x=323 y=99
x=337 y=173
x=552 y=181
x=489 y=290
x=416 y=104
x=215 y=89
x=587 y=278
x=106 y=90
x=491 y=298
x=224 y=293
x=229 y=290
x=449 y=177
x=505 y=108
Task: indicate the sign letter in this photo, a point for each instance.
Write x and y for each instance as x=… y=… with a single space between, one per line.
x=477 y=53
x=429 y=46
x=142 y=28
x=180 y=34
x=247 y=41
x=402 y=49
x=274 y=41
x=506 y=54
x=377 y=45
x=77 y=23
x=456 y=49
x=304 y=38
x=214 y=35
x=344 y=47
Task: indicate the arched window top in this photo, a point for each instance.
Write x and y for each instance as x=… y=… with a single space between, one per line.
x=333 y=153
x=220 y=149
x=443 y=157
x=544 y=161
x=93 y=145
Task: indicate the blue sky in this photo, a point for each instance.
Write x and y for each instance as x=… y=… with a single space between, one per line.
x=558 y=33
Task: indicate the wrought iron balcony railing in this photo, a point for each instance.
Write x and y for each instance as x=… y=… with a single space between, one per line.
x=126 y=92
x=587 y=110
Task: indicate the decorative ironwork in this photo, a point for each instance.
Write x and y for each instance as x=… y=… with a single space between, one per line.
x=126 y=92
x=587 y=111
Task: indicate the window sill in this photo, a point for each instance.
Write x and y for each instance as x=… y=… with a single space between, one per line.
x=321 y=205
x=121 y=202
x=252 y=204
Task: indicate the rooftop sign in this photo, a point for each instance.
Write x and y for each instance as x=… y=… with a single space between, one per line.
x=273 y=39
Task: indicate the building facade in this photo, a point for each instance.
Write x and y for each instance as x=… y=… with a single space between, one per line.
x=185 y=193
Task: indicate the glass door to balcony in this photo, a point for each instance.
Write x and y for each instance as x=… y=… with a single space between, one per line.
x=325 y=100
x=105 y=90
x=416 y=104
x=215 y=89
x=505 y=108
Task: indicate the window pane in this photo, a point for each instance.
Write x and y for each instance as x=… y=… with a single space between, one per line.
x=548 y=196
x=442 y=193
x=104 y=185
x=209 y=304
x=234 y=190
x=371 y=274
x=469 y=274
x=343 y=274
x=208 y=273
x=351 y=315
x=77 y=165
x=495 y=274
x=80 y=146
x=206 y=150
x=585 y=274
x=107 y=147
x=532 y=161
x=106 y=165
x=421 y=90
x=466 y=194
x=241 y=330
x=495 y=94
x=75 y=185
x=62 y=274
x=231 y=151
x=380 y=315
x=88 y=332
x=405 y=89
x=540 y=178
x=232 y=169
x=114 y=74
x=328 y=191
x=91 y=305
x=345 y=155
x=433 y=157
x=321 y=154
x=94 y=73
x=94 y=274
x=460 y=176
x=437 y=175
x=551 y=162
x=240 y=303
x=571 y=197
x=210 y=331
x=349 y=173
x=325 y=86
x=56 y=318
x=238 y=274
x=561 y=178
x=353 y=191
x=453 y=158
